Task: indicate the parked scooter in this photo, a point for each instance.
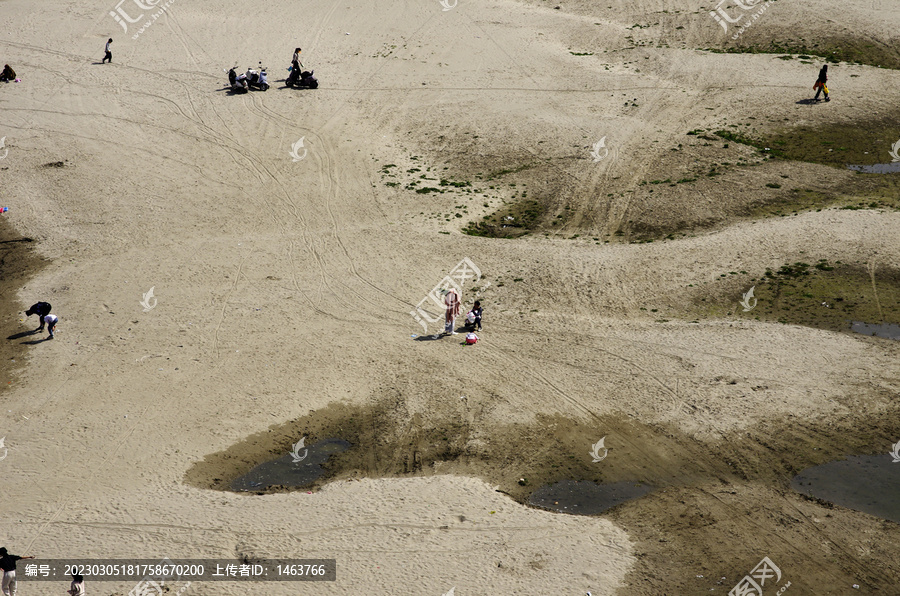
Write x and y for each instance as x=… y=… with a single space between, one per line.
x=238 y=82
x=301 y=79
x=257 y=79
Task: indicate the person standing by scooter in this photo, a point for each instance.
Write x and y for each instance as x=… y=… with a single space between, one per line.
x=294 y=77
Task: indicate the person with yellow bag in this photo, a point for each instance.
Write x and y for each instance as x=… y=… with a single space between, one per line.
x=820 y=86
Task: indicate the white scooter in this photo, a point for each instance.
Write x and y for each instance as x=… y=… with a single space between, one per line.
x=257 y=79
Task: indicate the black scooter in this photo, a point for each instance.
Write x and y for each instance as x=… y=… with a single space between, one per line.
x=238 y=82
x=301 y=79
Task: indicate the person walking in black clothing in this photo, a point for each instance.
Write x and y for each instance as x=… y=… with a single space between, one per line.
x=820 y=85
x=108 y=55
x=41 y=309
x=8 y=566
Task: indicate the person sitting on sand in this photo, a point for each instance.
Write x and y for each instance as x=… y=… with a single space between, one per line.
x=471 y=338
x=476 y=313
x=8 y=74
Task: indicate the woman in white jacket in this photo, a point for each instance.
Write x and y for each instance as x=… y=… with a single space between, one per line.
x=77 y=588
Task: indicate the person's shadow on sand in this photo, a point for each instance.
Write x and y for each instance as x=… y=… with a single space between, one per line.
x=442 y=334
x=229 y=90
x=807 y=102
x=428 y=337
x=36 y=341
x=23 y=334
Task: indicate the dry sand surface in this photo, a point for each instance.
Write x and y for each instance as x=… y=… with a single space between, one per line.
x=284 y=289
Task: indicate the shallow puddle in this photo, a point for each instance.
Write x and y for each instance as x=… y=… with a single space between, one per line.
x=885 y=330
x=287 y=471
x=878 y=168
x=586 y=498
x=867 y=483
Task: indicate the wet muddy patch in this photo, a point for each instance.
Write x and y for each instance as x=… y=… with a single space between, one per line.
x=878 y=168
x=884 y=330
x=387 y=440
x=817 y=293
x=863 y=142
x=18 y=264
x=586 y=498
x=867 y=483
x=297 y=469
x=706 y=492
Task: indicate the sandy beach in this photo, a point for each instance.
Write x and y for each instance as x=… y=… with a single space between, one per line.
x=612 y=177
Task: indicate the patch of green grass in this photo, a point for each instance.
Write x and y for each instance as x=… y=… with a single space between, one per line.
x=455 y=184
x=504 y=172
x=855 y=49
x=526 y=217
x=825 y=296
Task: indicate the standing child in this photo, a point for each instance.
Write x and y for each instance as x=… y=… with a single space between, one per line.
x=820 y=85
x=108 y=55
x=51 y=321
x=77 y=588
